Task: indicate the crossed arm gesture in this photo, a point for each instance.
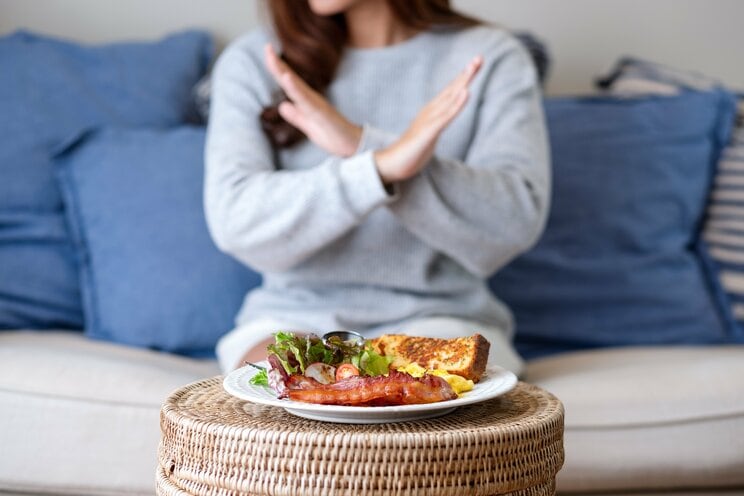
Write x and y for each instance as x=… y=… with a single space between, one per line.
x=311 y=113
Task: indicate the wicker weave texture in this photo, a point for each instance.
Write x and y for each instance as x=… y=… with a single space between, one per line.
x=167 y=488
x=213 y=444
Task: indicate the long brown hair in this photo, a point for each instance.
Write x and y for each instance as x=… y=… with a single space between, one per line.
x=312 y=46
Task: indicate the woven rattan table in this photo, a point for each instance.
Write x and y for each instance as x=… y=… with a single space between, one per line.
x=215 y=444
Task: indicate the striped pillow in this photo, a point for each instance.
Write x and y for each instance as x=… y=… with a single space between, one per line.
x=723 y=225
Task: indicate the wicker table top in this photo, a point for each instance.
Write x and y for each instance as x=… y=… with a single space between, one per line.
x=215 y=444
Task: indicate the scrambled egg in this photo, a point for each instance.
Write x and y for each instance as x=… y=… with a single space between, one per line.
x=459 y=384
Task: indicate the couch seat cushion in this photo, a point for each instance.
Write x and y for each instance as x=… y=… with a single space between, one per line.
x=82 y=417
x=649 y=417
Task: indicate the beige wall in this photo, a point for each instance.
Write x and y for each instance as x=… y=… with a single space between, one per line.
x=585 y=36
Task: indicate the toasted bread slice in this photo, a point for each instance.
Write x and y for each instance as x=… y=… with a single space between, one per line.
x=466 y=357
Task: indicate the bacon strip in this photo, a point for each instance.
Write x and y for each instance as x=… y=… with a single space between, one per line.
x=397 y=388
x=299 y=381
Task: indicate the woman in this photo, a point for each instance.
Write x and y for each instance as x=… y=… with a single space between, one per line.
x=376 y=173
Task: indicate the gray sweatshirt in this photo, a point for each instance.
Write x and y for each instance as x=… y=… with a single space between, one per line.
x=335 y=249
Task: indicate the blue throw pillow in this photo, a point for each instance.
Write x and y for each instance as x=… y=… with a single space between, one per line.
x=620 y=261
x=51 y=91
x=151 y=275
x=723 y=229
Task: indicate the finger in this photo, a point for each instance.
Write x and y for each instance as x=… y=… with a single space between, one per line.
x=273 y=63
x=293 y=85
x=296 y=89
x=291 y=114
x=276 y=65
x=446 y=114
x=444 y=101
x=285 y=77
x=458 y=105
x=464 y=78
x=472 y=69
x=467 y=75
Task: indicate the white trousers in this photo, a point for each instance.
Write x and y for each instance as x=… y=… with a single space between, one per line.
x=233 y=345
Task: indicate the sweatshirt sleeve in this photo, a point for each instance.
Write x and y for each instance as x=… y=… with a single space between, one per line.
x=272 y=219
x=487 y=209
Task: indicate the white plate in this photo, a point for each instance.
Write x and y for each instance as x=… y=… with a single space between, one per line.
x=496 y=382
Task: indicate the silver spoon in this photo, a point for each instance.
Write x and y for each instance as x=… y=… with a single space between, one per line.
x=255 y=365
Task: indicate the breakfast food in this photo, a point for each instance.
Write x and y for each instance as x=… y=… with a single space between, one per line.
x=458 y=383
x=465 y=357
x=366 y=373
x=396 y=388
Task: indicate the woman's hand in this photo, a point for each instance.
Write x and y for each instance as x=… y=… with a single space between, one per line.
x=411 y=152
x=311 y=113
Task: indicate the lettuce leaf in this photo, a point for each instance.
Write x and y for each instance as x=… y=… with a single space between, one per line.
x=296 y=353
x=260 y=379
x=369 y=362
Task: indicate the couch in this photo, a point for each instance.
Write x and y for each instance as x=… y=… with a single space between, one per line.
x=82 y=417
x=647 y=358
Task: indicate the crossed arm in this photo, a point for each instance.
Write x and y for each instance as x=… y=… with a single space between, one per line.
x=494 y=208
x=312 y=114
x=480 y=211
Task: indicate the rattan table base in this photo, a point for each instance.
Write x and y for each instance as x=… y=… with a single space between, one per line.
x=214 y=444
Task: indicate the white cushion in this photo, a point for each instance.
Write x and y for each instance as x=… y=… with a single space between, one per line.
x=82 y=417
x=644 y=418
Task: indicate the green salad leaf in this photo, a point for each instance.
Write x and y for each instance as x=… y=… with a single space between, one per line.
x=369 y=362
x=260 y=379
x=316 y=351
x=295 y=353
